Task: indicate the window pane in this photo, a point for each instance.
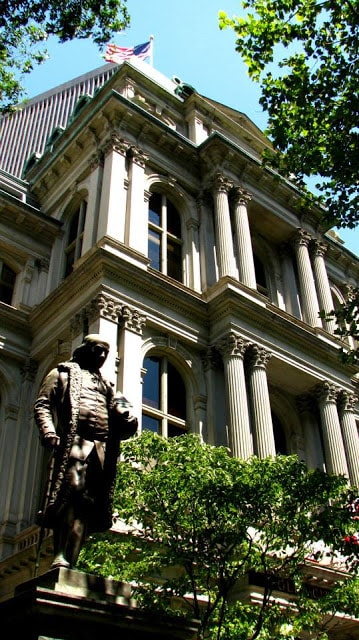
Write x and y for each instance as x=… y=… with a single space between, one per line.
x=173 y=220
x=173 y=431
x=73 y=227
x=151 y=424
x=174 y=260
x=154 y=249
x=151 y=382
x=154 y=209
x=176 y=393
x=7 y=283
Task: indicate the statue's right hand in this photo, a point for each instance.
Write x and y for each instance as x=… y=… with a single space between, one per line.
x=50 y=440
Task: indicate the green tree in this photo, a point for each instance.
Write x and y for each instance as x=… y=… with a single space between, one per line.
x=311 y=92
x=26 y=25
x=202 y=521
x=304 y=54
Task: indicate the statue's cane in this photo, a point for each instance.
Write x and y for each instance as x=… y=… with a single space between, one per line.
x=41 y=512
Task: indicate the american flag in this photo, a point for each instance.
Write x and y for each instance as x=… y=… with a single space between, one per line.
x=119 y=54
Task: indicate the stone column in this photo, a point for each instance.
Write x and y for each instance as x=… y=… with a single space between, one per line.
x=257 y=359
x=318 y=250
x=232 y=349
x=113 y=195
x=194 y=255
x=129 y=379
x=245 y=260
x=211 y=362
x=313 y=446
x=90 y=234
x=309 y=300
x=335 y=459
x=223 y=229
x=347 y=404
x=246 y=270
x=136 y=234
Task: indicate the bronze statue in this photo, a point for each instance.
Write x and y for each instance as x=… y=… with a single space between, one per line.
x=81 y=418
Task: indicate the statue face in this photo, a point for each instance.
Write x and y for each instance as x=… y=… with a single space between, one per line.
x=97 y=355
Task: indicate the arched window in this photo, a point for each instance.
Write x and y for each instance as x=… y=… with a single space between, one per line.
x=7 y=282
x=74 y=237
x=164 y=236
x=164 y=398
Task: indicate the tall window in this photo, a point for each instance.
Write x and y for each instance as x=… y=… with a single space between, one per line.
x=164 y=236
x=164 y=398
x=7 y=282
x=75 y=237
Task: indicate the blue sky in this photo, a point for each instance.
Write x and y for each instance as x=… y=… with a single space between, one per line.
x=187 y=43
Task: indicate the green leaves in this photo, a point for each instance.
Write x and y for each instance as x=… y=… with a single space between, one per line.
x=25 y=26
x=202 y=521
x=305 y=55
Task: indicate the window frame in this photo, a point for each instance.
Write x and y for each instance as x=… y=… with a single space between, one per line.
x=161 y=413
x=166 y=239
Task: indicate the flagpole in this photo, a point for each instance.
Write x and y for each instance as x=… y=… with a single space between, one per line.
x=151 y=49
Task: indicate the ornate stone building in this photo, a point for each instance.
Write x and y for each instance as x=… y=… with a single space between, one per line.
x=148 y=217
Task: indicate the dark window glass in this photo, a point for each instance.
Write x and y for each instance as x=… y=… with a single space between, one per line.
x=7 y=283
x=151 y=383
x=176 y=393
x=164 y=236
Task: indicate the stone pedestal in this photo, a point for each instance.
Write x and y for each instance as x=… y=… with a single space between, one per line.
x=65 y=604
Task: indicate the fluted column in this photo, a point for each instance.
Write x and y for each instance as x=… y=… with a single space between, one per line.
x=347 y=404
x=257 y=359
x=194 y=255
x=318 y=250
x=335 y=459
x=232 y=349
x=313 y=446
x=246 y=270
x=223 y=229
x=309 y=298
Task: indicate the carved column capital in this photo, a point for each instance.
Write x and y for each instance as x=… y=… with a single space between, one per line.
x=318 y=248
x=240 y=196
x=302 y=238
x=257 y=356
x=138 y=156
x=221 y=183
x=232 y=346
x=131 y=319
x=326 y=392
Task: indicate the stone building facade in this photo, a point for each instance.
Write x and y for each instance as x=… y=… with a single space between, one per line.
x=148 y=217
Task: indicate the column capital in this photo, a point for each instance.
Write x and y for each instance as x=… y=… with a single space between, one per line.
x=221 y=183
x=302 y=238
x=347 y=401
x=138 y=156
x=318 y=248
x=131 y=319
x=258 y=356
x=232 y=346
x=115 y=143
x=104 y=307
x=326 y=391
x=240 y=196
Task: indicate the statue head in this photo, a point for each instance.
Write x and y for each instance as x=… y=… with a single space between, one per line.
x=92 y=353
